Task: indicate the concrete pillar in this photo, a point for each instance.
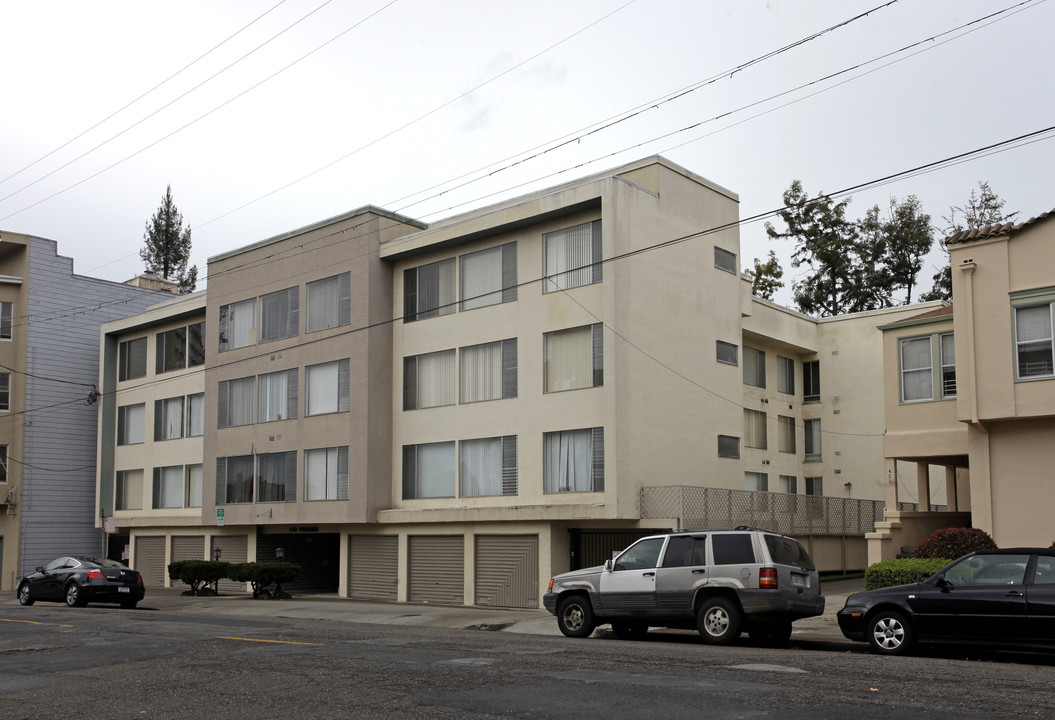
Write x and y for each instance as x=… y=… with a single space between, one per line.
x=923 y=486
x=891 y=484
x=951 y=491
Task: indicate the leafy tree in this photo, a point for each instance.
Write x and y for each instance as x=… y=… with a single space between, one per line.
x=767 y=277
x=167 y=248
x=896 y=246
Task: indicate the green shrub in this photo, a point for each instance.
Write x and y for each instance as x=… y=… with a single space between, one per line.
x=954 y=543
x=904 y=571
x=198 y=573
x=264 y=574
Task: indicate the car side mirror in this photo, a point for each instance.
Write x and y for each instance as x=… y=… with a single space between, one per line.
x=943 y=584
x=40 y=569
x=608 y=565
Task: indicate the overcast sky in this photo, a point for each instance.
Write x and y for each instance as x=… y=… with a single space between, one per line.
x=268 y=116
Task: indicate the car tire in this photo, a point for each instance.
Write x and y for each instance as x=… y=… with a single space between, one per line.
x=772 y=634
x=629 y=629
x=24 y=598
x=575 y=617
x=718 y=621
x=889 y=633
x=74 y=596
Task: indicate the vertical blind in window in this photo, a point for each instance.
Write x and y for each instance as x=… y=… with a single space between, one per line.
x=755 y=429
x=572 y=257
x=279 y=314
x=489 y=371
x=488 y=467
x=171 y=350
x=327 y=388
x=326 y=474
x=428 y=470
x=329 y=302
x=573 y=461
x=277 y=396
x=429 y=290
x=237 y=324
x=194 y=473
x=430 y=380
x=574 y=358
x=786 y=430
x=132 y=359
x=235 y=402
x=488 y=277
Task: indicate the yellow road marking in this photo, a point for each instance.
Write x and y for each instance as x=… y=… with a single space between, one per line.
x=33 y=622
x=276 y=642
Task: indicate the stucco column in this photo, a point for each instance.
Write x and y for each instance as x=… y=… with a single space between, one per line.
x=923 y=486
x=951 y=491
x=891 y=485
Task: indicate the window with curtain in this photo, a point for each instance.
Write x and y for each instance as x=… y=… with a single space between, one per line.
x=235 y=402
x=234 y=479
x=1034 y=351
x=917 y=382
x=430 y=380
x=429 y=470
x=488 y=371
x=329 y=302
x=132 y=359
x=572 y=257
x=754 y=367
x=759 y=482
x=811 y=431
x=194 y=474
x=755 y=435
x=7 y=313
x=128 y=490
x=785 y=375
x=574 y=358
x=171 y=350
x=488 y=277
x=429 y=290
x=277 y=396
x=811 y=381
x=488 y=466
x=168 y=418
x=326 y=473
x=948 y=366
x=196 y=344
x=573 y=461
x=786 y=430
x=327 y=388
x=131 y=424
x=789 y=484
x=238 y=324
x=279 y=314
x=196 y=415
x=276 y=477
x=168 y=487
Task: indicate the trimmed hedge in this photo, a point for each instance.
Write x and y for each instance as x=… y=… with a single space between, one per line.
x=904 y=571
x=954 y=543
x=199 y=574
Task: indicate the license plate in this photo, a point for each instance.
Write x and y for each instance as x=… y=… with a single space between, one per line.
x=799 y=581
x=124 y=589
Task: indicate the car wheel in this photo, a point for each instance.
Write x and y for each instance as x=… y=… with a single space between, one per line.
x=889 y=633
x=718 y=621
x=74 y=596
x=771 y=634
x=629 y=629
x=575 y=617
x=24 y=598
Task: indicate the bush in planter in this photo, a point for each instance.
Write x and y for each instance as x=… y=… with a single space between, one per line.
x=904 y=571
x=264 y=574
x=199 y=573
x=954 y=543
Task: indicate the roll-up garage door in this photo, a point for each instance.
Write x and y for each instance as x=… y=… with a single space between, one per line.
x=437 y=569
x=188 y=547
x=373 y=567
x=150 y=560
x=507 y=570
x=233 y=549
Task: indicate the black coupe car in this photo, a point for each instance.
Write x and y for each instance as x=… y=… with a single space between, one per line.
x=79 y=580
x=995 y=598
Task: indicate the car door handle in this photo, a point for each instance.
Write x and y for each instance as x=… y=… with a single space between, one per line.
x=698 y=571
x=1014 y=593
x=649 y=574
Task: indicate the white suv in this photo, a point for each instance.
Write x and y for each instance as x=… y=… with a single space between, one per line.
x=722 y=582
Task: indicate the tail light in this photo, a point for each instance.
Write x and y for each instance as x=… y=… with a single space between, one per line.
x=96 y=574
x=767 y=579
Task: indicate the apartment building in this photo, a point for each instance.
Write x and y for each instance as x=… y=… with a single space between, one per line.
x=49 y=329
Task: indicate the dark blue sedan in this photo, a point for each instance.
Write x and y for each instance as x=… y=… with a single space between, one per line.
x=78 y=580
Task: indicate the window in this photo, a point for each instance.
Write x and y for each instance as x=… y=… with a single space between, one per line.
x=574 y=359
x=277 y=396
x=785 y=375
x=642 y=555
x=168 y=418
x=754 y=367
x=488 y=466
x=330 y=302
x=276 y=477
x=756 y=481
x=733 y=549
x=917 y=383
x=724 y=260
x=948 y=366
x=7 y=311
x=5 y=391
x=327 y=388
x=811 y=381
x=786 y=431
x=429 y=380
x=128 y=490
x=488 y=277
x=234 y=402
x=755 y=429
x=3 y=464
x=238 y=324
x=1033 y=341
x=132 y=359
x=196 y=415
x=685 y=551
x=726 y=353
x=573 y=461
x=234 y=479
x=488 y=372
x=171 y=350
x=789 y=484
x=279 y=314
x=428 y=470
x=728 y=446
x=131 y=424
x=572 y=257
x=194 y=485
x=429 y=290
x=812 y=439
x=326 y=474
x=168 y=487
x=815 y=486
x=196 y=344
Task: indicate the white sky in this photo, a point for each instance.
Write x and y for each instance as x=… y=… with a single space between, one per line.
x=410 y=95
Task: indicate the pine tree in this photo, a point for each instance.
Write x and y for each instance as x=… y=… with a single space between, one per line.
x=166 y=251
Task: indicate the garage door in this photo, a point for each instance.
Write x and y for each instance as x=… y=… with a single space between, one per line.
x=233 y=549
x=373 y=567
x=437 y=569
x=507 y=570
x=150 y=560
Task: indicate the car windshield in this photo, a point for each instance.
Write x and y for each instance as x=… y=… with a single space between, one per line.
x=786 y=551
